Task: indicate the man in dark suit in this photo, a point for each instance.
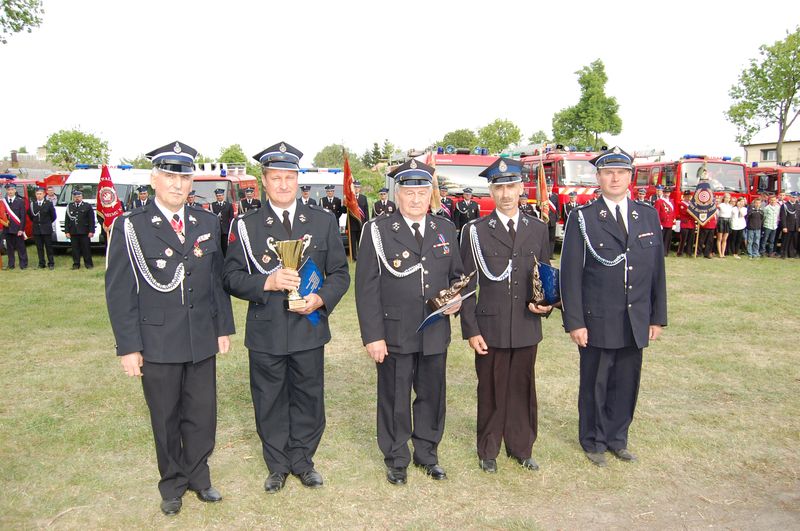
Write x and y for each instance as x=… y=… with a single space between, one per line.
x=503 y=328
x=191 y=200
x=286 y=346
x=170 y=316
x=356 y=220
x=466 y=210
x=525 y=207
x=569 y=206
x=790 y=225
x=383 y=205
x=305 y=195
x=143 y=199
x=224 y=212
x=249 y=202
x=418 y=255
x=448 y=208
x=42 y=214
x=614 y=297
x=79 y=227
x=14 y=232
x=331 y=203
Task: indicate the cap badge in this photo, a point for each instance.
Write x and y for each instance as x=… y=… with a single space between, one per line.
x=177 y=148
x=502 y=166
x=396 y=263
x=603 y=213
x=282 y=149
x=406 y=254
x=617 y=151
x=413 y=164
x=634 y=214
x=161 y=264
x=168 y=252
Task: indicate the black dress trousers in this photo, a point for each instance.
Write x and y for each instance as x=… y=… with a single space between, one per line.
x=182 y=398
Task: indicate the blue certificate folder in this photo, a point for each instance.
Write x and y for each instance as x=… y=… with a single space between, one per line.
x=310 y=282
x=438 y=314
x=551 y=283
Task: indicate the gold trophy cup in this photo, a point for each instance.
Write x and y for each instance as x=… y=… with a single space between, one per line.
x=290 y=253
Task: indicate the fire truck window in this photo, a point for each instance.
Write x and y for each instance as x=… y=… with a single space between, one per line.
x=790 y=183
x=669 y=176
x=577 y=172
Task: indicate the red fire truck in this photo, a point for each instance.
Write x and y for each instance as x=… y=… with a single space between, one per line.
x=777 y=180
x=228 y=176
x=724 y=175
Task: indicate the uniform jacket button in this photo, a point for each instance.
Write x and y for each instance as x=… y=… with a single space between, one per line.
x=191 y=306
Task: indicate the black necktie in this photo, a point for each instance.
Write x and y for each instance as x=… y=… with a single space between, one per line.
x=511 y=230
x=621 y=223
x=417 y=234
x=286 y=223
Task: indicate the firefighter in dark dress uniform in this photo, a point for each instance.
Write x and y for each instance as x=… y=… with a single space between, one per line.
x=305 y=195
x=171 y=316
x=448 y=208
x=224 y=212
x=42 y=214
x=286 y=348
x=330 y=202
x=408 y=257
x=143 y=199
x=14 y=232
x=249 y=202
x=356 y=220
x=569 y=206
x=383 y=205
x=613 y=291
x=466 y=210
x=502 y=327
x=526 y=207
x=79 y=227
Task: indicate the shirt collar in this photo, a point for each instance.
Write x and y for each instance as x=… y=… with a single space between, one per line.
x=279 y=211
x=504 y=219
x=612 y=206
x=410 y=221
x=167 y=213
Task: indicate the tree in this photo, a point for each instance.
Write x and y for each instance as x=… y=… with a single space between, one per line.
x=67 y=148
x=376 y=153
x=331 y=157
x=767 y=91
x=539 y=137
x=594 y=114
x=460 y=138
x=140 y=162
x=23 y=149
x=498 y=135
x=19 y=15
x=366 y=159
x=388 y=150
x=234 y=154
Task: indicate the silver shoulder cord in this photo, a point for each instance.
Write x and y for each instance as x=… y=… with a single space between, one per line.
x=477 y=255
x=622 y=257
x=248 y=251
x=377 y=243
x=137 y=259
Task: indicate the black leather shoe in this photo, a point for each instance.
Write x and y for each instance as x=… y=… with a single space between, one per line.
x=311 y=479
x=171 y=506
x=275 y=482
x=597 y=458
x=209 y=495
x=528 y=463
x=396 y=476
x=75 y=267
x=434 y=471
x=624 y=455
x=89 y=267
x=10 y=267
x=488 y=465
x=51 y=267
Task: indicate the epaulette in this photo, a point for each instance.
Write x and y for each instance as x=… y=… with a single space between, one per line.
x=443 y=218
x=240 y=216
x=644 y=203
x=531 y=216
x=585 y=205
x=317 y=207
x=135 y=211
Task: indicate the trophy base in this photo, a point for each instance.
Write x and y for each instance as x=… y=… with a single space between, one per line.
x=295 y=304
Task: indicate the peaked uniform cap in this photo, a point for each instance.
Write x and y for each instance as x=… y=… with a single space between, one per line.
x=282 y=156
x=503 y=171
x=413 y=173
x=175 y=157
x=613 y=158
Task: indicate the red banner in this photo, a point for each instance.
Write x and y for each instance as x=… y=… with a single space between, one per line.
x=350 y=200
x=108 y=204
x=3 y=216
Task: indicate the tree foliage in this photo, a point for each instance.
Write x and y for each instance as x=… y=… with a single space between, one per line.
x=139 y=162
x=460 y=138
x=19 y=15
x=766 y=93
x=594 y=114
x=498 y=135
x=331 y=157
x=234 y=154
x=66 y=148
x=539 y=137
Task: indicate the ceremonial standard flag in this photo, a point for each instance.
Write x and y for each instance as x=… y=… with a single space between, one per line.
x=350 y=200
x=436 y=197
x=108 y=204
x=541 y=192
x=3 y=215
x=702 y=206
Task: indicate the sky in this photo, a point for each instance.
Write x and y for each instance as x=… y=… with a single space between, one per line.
x=145 y=73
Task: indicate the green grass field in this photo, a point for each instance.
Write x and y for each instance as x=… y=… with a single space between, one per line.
x=716 y=429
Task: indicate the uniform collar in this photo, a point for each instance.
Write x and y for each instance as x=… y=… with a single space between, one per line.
x=168 y=215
